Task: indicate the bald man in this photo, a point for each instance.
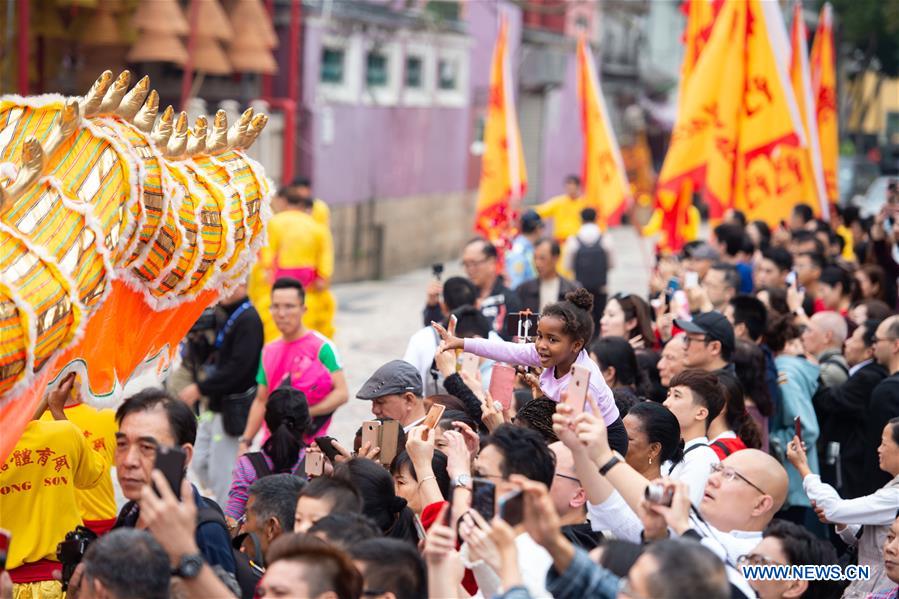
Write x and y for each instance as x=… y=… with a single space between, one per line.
x=823 y=340
x=742 y=495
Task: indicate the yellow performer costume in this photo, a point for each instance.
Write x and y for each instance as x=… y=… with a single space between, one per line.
x=321 y=213
x=300 y=247
x=565 y=213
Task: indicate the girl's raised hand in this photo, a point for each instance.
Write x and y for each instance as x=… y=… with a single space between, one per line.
x=449 y=341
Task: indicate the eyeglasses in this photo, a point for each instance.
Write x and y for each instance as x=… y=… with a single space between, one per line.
x=565 y=476
x=756 y=559
x=473 y=263
x=688 y=340
x=280 y=308
x=730 y=474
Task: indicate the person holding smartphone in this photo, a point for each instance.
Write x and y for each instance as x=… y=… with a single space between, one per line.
x=149 y=421
x=563 y=332
x=287 y=416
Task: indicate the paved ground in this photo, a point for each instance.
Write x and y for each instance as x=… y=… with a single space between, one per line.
x=376 y=318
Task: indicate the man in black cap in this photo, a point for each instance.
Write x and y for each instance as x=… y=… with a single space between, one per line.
x=709 y=343
x=395 y=392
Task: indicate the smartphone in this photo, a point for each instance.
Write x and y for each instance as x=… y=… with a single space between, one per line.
x=419 y=528
x=434 y=415
x=680 y=305
x=471 y=364
x=691 y=279
x=502 y=384
x=5 y=538
x=371 y=433
x=451 y=326
x=437 y=270
x=791 y=278
x=483 y=498
x=315 y=464
x=324 y=443
x=797 y=426
x=387 y=441
x=578 y=388
x=511 y=508
x=170 y=461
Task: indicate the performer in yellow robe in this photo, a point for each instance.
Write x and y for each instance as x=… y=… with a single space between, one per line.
x=299 y=246
x=565 y=210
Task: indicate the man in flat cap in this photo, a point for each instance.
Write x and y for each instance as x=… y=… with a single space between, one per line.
x=395 y=392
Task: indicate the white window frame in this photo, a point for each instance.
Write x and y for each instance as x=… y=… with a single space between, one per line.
x=388 y=95
x=348 y=91
x=424 y=95
x=458 y=97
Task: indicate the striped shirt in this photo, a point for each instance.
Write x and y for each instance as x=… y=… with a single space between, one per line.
x=242 y=477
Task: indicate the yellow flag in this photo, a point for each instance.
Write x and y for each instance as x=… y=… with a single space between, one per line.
x=503 y=176
x=674 y=200
x=824 y=90
x=700 y=18
x=704 y=139
x=769 y=169
x=605 y=182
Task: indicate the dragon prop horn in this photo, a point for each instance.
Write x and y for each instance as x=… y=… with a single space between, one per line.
x=115 y=234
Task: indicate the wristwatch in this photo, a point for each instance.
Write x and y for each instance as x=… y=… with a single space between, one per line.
x=189 y=566
x=609 y=465
x=463 y=480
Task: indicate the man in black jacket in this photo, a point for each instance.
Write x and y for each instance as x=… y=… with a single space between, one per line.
x=843 y=411
x=227 y=382
x=548 y=287
x=884 y=403
x=479 y=259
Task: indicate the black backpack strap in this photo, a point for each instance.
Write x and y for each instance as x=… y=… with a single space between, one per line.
x=238 y=541
x=720 y=445
x=257 y=460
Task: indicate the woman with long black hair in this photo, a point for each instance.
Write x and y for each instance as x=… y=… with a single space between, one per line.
x=287 y=417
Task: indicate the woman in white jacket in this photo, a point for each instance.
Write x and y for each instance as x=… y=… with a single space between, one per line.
x=865 y=520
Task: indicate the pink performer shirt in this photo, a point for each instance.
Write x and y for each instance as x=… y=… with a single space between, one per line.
x=525 y=354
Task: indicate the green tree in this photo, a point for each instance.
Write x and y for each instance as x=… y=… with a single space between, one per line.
x=868 y=31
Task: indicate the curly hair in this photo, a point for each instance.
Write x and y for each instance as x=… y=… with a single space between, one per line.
x=537 y=415
x=575 y=312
